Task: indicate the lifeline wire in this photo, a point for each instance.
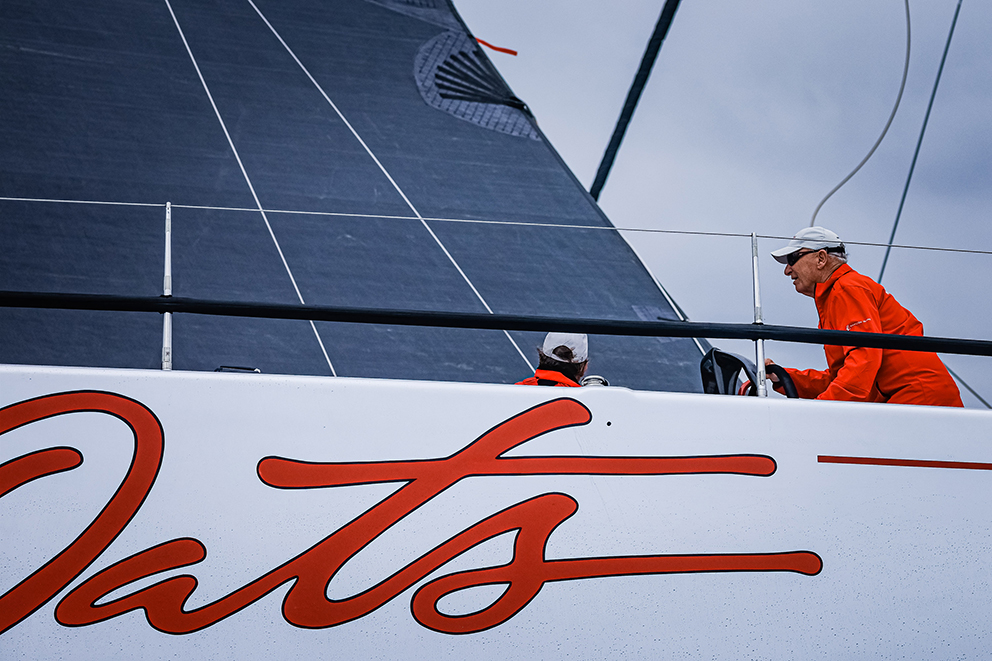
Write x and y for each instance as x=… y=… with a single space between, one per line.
x=509 y=223
x=902 y=86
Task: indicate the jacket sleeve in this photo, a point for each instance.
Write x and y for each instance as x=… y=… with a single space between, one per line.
x=809 y=383
x=854 y=308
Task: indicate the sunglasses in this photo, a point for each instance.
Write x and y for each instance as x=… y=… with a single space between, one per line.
x=793 y=258
x=796 y=256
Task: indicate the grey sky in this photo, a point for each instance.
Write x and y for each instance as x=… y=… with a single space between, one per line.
x=753 y=112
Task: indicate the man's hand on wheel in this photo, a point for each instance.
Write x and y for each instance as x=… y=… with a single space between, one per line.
x=771 y=377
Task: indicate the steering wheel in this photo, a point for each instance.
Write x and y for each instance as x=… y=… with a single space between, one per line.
x=721 y=374
x=747 y=388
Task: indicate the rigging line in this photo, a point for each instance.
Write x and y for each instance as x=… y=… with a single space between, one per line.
x=909 y=178
x=248 y=181
x=902 y=87
x=970 y=389
x=634 y=95
x=919 y=142
x=392 y=181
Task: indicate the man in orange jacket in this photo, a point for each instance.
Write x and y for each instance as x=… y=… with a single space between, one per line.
x=563 y=360
x=816 y=260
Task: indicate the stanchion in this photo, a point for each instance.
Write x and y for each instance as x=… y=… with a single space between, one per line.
x=759 y=344
x=167 y=291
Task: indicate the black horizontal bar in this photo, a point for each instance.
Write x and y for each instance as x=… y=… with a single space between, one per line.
x=660 y=328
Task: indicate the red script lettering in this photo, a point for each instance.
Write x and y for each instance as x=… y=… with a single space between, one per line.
x=306 y=603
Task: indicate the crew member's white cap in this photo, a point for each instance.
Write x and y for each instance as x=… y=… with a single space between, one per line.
x=811 y=238
x=576 y=342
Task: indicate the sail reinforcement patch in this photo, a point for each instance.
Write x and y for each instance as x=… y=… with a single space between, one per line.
x=454 y=75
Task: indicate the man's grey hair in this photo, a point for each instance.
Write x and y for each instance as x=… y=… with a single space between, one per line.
x=838 y=253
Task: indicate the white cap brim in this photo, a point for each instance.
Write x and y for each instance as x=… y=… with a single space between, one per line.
x=811 y=238
x=782 y=254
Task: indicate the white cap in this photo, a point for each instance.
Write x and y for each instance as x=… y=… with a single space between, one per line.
x=812 y=238
x=576 y=342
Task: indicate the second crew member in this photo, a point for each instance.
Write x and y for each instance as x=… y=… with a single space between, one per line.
x=563 y=361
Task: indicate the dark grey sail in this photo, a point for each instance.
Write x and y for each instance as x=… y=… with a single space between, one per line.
x=313 y=151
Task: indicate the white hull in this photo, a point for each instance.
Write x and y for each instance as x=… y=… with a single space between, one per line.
x=904 y=549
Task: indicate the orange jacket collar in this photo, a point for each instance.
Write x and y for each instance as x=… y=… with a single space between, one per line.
x=555 y=376
x=822 y=288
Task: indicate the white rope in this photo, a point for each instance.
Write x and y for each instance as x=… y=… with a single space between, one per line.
x=248 y=181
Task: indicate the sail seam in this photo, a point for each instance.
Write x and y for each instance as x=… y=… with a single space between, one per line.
x=251 y=188
x=385 y=172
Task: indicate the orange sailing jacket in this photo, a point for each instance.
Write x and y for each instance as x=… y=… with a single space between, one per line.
x=549 y=378
x=851 y=301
